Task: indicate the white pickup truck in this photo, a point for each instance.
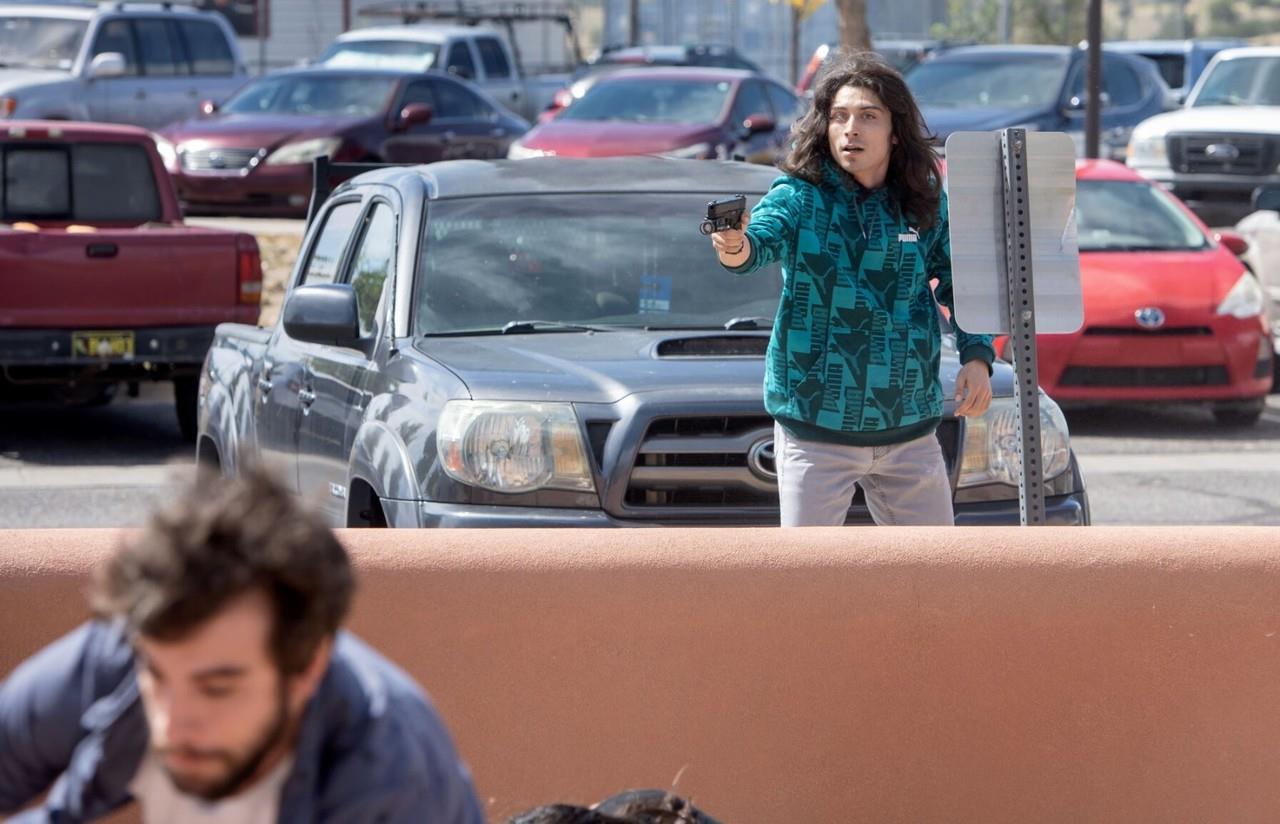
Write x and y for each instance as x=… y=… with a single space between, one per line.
x=482 y=55
x=1224 y=143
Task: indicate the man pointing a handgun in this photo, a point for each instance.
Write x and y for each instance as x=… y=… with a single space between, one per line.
x=859 y=224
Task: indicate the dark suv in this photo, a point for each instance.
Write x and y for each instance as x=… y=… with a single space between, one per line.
x=980 y=88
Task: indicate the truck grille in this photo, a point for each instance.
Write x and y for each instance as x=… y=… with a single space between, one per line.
x=1223 y=154
x=220 y=160
x=697 y=465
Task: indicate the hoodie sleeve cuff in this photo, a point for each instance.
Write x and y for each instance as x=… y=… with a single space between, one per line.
x=978 y=351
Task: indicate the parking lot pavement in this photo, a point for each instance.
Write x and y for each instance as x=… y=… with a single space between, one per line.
x=252 y=225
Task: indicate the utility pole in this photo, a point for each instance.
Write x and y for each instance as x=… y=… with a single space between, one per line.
x=1093 y=98
x=633 y=22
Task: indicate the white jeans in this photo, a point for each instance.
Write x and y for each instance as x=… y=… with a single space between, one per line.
x=905 y=484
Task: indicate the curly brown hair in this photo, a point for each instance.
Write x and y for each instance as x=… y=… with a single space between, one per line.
x=913 y=178
x=218 y=540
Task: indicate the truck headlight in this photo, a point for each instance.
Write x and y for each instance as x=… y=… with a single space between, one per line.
x=1245 y=300
x=993 y=450
x=513 y=446
x=304 y=151
x=1148 y=151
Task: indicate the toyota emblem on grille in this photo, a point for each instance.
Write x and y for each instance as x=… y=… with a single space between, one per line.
x=1222 y=151
x=762 y=460
x=1149 y=317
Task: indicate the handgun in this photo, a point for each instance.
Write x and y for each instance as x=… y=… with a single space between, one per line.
x=723 y=214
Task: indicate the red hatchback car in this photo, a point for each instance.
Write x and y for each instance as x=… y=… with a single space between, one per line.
x=682 y=112
x=1171 y=314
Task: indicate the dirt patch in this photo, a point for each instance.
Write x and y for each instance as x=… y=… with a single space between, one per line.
x=278 y=255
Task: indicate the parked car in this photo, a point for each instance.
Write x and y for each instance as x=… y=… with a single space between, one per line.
x=1224 y=143
x=903 y=55
x=135 y=63
x=1171 y=313
x=642 y=57
x=980 y=88
x=1180 y=62
x=685 y=112
x=102 y=282
x=1261 y=230
x=463 y=344
x=480 y=55
x=253 y=155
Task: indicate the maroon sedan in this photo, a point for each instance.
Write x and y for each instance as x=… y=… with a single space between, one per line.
x=682 y=112
x=253 y=155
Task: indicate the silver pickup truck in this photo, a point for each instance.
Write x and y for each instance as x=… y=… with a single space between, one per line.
x=141 y=64
x=545 y=342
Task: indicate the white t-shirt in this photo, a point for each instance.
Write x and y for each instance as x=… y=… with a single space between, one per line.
x=163 y=803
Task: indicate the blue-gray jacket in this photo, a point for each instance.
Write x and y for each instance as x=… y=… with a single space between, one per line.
x=371 y=747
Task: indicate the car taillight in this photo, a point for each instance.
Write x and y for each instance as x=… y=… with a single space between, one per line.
x=248 y=270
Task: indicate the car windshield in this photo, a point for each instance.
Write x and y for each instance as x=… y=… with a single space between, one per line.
x=404 y=55
x=1243 y=81
x=1131 y=216
x=652 y=101
x=40 y=42
x=1014 y=81
x=320 y=93
x=602 y=260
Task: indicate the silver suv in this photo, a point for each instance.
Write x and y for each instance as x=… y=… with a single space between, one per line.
x=144 y=64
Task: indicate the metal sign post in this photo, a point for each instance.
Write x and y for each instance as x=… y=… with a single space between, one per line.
x=1022 y=321
x=1017 y=218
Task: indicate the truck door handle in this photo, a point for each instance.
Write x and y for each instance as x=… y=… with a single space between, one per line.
x=101 y=250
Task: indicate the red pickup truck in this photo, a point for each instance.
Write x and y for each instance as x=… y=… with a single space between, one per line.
x=101 y=283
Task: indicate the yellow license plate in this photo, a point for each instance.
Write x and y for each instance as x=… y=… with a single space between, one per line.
x=102 y=344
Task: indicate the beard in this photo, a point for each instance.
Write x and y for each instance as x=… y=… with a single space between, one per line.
x=239 y=769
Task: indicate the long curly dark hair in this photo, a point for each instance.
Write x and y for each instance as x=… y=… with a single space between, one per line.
x=913 y=177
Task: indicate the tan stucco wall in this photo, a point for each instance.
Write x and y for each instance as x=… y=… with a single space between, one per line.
x=1016 y=675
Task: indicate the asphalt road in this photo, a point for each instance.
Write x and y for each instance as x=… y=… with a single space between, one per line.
x=108 y=466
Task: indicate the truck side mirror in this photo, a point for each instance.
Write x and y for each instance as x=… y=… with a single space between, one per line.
x=323 y=314
x=1266 y=198
x=414 y=114
x=108 y=64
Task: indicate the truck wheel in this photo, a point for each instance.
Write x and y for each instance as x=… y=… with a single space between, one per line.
x=185 y=391
x=1241 y=414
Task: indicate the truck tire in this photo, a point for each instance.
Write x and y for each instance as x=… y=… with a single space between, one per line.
x=185 y=391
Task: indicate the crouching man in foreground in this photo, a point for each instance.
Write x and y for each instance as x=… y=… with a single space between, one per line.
x=216 y=685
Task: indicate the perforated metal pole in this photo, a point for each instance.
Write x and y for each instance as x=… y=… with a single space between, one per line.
x=1022 y=321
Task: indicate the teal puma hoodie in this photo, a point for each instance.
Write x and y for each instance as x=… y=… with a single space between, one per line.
x=856 y=343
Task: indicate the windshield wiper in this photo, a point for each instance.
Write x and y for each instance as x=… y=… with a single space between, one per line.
x=521 y=327
x=753 y=322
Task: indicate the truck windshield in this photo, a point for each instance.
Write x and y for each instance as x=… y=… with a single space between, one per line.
x=1130 y=216
x=40 y=42
x=403 y=55
x=319 y=93
x=79 y=183
x=652 y=101
x=1243 y=81
x=633 y=259
x=1013 y=81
